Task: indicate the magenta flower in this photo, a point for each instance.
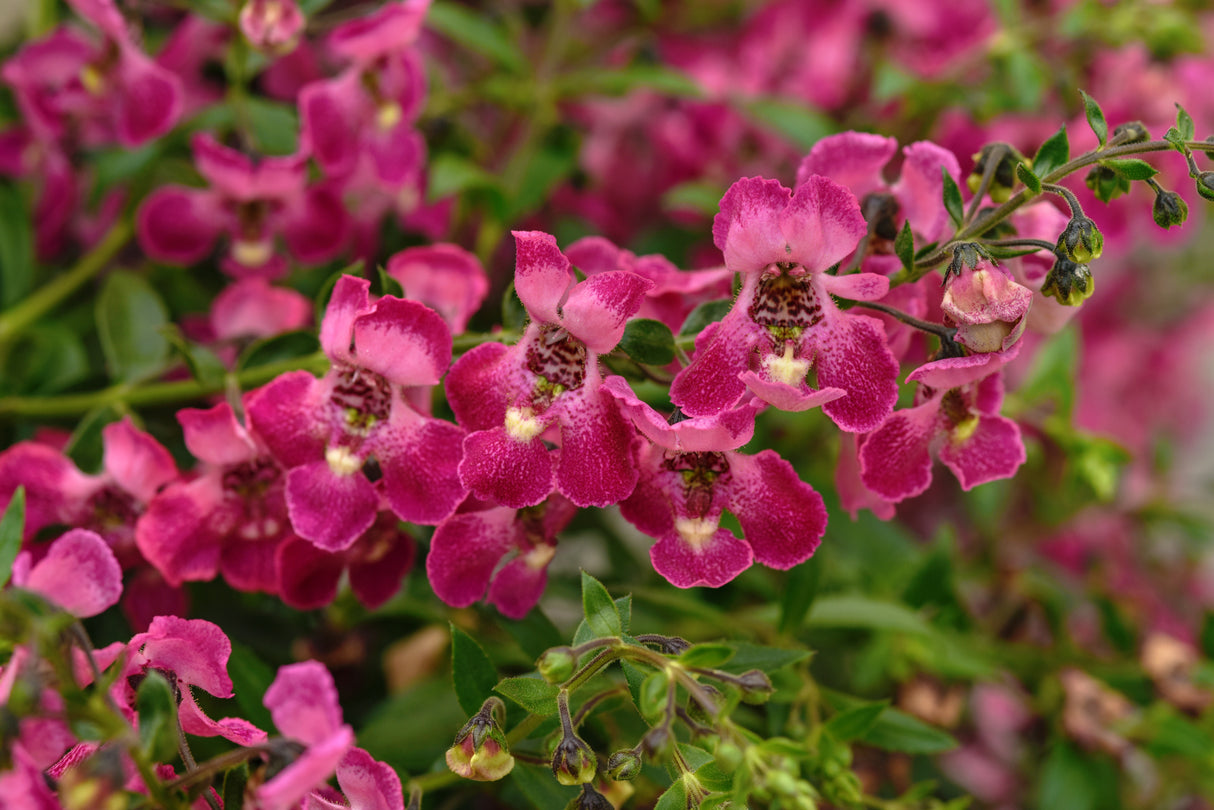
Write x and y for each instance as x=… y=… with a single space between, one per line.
x=273 y=26
x=303 y=703
x=691 y=474
x=955 y=418
x=230 y=519
x=254 y=203
x=377 y=565
x=373 y=403
x=79 y=573
x=988 y=308
x=366 y=783
x=784 y=321
x=252 y=308
x=467 y=550
x=547 y=386
x=446 y=278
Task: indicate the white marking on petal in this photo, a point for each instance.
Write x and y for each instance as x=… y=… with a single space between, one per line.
x=696 y=532
x=786 y=369
x=521 y=425
x=341 y=461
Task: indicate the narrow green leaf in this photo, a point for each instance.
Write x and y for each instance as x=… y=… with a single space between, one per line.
x=1184 y=124
x=1052 y=154
x=602 y=616
x=1031 y=181
x=157 y=707
x=624 y=606
x=800 y=588
x=952 y=198
x=856 y=610
x=853 y=724
x=707 y=655
x=387 y=285
x=904 y=246
x=1095 y=117
x=130 y=317
x=704 y=314
x=12 y=526
x=533 y=694
x=1130 y=168
x=286 y=346
x=476 y=32
x=754 y=656
x=472 y=671
x=624 y=80
x=16 y=247
x=234 y=782
x=648 y=342
x=898 y=731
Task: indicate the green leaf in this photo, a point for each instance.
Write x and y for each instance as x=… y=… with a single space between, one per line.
x=130 y=317
x=855 y=610
x=769 y=659
x=1174 y=137
x=1130 y=168
x=800 y=588
x=952 y=198
x=286 y=346
x=544 y=169
x=412 y=729
x=703 y=197
x=274 y=126
x=452 y=174
x=652 y=702
x=602 y=616
x=898 y=731
x=205 y=367
x=695 y=756
x=1095 y=117
x=707 y=656
x=535 y=633
x=234 y=782
x=1050 y=375
x=1066 y=780
x=1052 y=154
x=1184 y=124
x=624 y=80
x=1031 y=181
x=623 y=606
x=704 y=314
x=251 y=677
x=854 y=723
x=472 y=671
x=16 y=247
x=85 y=447
x=387 y=285
x=904 y=246
x=675 y=797
x=536 y=783
x=12 y=527
x=795 y=120
x=532 y=693
x=514 y=314
x=477 y=32
x=648 y=342
x=157 y=707
x=46 y=358
x=1207 y=635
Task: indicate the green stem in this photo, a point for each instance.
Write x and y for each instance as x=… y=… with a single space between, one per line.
x=48 y=296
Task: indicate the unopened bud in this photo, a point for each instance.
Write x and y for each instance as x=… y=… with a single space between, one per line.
x=480 y=751
x=556 y=665
x=698 y=712
x=656 y=740
x=756 y=686
x=573 y=763
x=1004 y=177
x=728 y=757
x=1068 y=282
x=590 y=799
x=624 y=765
x=1205 y=185
x=1169 y=209
x=1105 y=183
x=1131 y=132
x=1081 y=240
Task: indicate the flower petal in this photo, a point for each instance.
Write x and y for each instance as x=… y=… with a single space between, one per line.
x=596 y=465
x=465 y=550
x=852 y=355
x=822 y=224
x=993 y=450
x=328 y=509
x=497 y=468
x=852 y=159
x=542 y=275
x=895 y=461
x=404 y=341
x=747 y=228
x=179 y=225
x=598 y=308
x=138 y=463
x=716 y=561
x=420 y=461
x=79 y=574
x=783 y=518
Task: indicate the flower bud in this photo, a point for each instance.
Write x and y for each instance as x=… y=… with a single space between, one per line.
x=573 y=763
x=1205 y=185
x=272 y=26
x=756 y=686
x=480 y=751
x=1170 y=209
x=624 y=765
x=1068 y=282
x=1105 y=183
x=1081 y=240
x=1131 y=132
x=1004 y=178
x=590 y=799
x=988 y=308
x=556 y=665
x=697 y=712
x=728 y=756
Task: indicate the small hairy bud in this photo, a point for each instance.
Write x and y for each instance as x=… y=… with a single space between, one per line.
x=756 y=686
x=624 y=765
x=591 y=799
x=1081 y=240
x=1169 y=209
x=556 y=665
x=1205 y=185
x=573 y=763
x=1004 y=178
x=1131 y=132
x=480 y=751
x=1068 y=282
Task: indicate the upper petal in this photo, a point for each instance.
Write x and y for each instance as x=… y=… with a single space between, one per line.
x=542 y=275
x=598 y=308
x=404 y=341
x=79 y=573
x=138 y=463
x=822 y=224
x=852 y=159
x=747 y=228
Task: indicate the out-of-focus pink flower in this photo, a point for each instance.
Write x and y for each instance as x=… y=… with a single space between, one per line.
x=273 y=26
x=79 y=573
x=444 y=277
x=377 y=565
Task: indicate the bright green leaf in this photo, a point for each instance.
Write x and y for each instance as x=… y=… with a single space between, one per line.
x=602 y=616
x=856 y=610
x=648 y=342
x=1130 y=168
x=1095 y=117
x=1066 y=781
x=157 y=707
x=795 y=120
x=12 y=526
x=472 y=671
x=274 y=126
x=898 y=731
x=387 y=285
x=653 y=695
x=1031 y=181
x=675 y=797
x=130 y=317
x=1052 y=154
x=703 y=197
x=952 y=198
x=707 y=656
x=1184 y=124
x=533 y=694
x=854 y=723
x=904 y=246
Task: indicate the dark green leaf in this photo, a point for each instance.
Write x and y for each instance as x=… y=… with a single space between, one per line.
x=130 y=317
x=1130 y=168
x=514 y=314
x=704 y=314
x=623 y=606
x=795 y=120
x=1174 y=735
x=648 y=342
x=286 y=346
x=546 y=167
x=533 y=694
x=897 y=731
x=854 y=723
x=410 y=730
x=1184 y=124
x=1095 y=117
x=387 y=285
x=539 y=786
x=46 y=358
x=1052 y=154
x=251 y=677
x=157 y=706
x=753 y=656
x=234 y=783
x=472 y=671
x=707 y=656
x=952 y=198
x=1066 y=780
x=12 y=526
x=274 y=126
x=932 y=583
x=205 y=367
x=800 y=588
x=634 y=676
x=696 y=757
x=1031 y=181
x=477 y=32
x=1119 y=633
x=602 y=616
x=85 y=447
x=904 y=246
x=16 y=247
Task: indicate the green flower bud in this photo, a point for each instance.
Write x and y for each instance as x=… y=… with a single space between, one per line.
x=782 y=783
x=1131 y=132
x=1068 y=282
x=624 y=765
x=1105 y=183
x=480 y=751
x=590 y=799
x=1170 y=209
x=756 y=686
x=728 y=757
x=1081 y=240
x=573 y=763
x=1205 y=185
x=556 y=665
x=1004 y=178
x=698 y=713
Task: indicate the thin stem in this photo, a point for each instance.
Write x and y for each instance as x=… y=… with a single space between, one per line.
x=938 y=329
x=215 y=765
x=587 y=707
x=1066 y=194
x=1015 y=243
x=993 y=158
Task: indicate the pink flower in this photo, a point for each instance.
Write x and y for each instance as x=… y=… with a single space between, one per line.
x=254 y=203
x=988 y=308
x=784 y=321
x=547 y=385
x=373 y=402
x=366 y=783
x=274 y=26
x=446 y=278
x=377 y=563
x=691 y=474
x=79 y=574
